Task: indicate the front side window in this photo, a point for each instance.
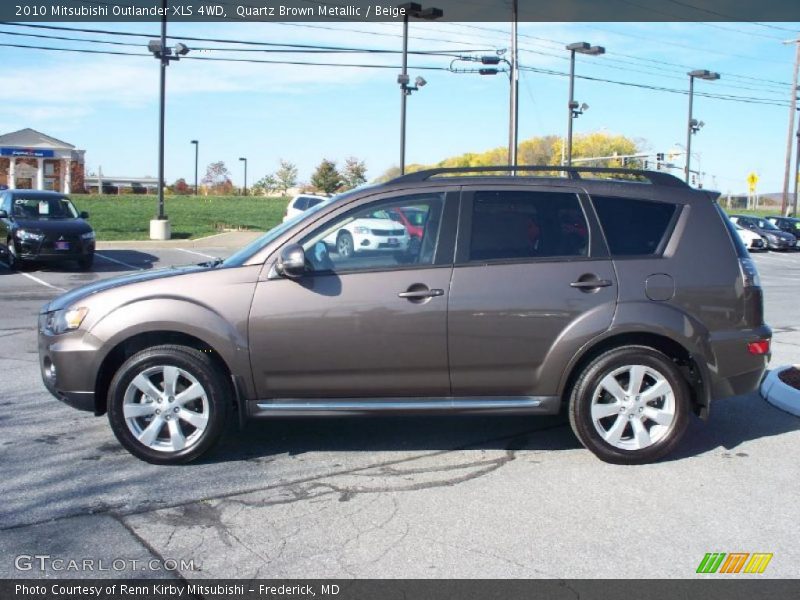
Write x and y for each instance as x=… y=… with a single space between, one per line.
x=372 y=237
x=633 y=227
x=508 y=225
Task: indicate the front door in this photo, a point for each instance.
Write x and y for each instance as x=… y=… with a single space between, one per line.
x=369 y=317
x=532 y=281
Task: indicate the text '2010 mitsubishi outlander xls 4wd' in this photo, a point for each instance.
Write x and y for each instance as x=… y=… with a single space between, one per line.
x=624 y=297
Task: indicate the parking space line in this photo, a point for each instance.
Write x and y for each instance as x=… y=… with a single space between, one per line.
x=36 y=279
x=197 y=253
x=119 y=262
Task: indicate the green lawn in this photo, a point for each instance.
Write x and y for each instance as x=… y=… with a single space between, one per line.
x=127 y=217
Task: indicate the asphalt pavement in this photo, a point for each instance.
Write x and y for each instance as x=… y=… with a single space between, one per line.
x=384 y=497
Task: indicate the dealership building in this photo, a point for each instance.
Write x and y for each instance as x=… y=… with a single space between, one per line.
x=32 y=160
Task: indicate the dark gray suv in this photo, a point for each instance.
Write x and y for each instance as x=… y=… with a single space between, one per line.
x=623 y=297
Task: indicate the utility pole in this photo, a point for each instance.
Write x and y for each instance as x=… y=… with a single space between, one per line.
x=513 y=109
x=792 y=108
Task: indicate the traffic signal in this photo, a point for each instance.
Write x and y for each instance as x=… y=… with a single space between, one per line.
x=646 y=164
x=660 y=157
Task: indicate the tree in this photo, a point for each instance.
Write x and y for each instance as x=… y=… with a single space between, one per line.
x=266 y=185
x=355 y=173
x=286 y=176
x=327 y=178
x=180 y=187
x=217 y=179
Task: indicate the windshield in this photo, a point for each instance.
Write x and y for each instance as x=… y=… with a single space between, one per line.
x=241 y=257
x=764 y=224
x=44 y=207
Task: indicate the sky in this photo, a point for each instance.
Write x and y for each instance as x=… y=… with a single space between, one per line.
x=108 y=105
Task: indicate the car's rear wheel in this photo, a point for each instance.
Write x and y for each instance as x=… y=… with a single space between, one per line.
x=630 y=405
x=344 y=245
x=168 y=404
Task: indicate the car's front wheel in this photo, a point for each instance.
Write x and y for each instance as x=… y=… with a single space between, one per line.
x=168 y=404
x=85 y=263
x=630 y=405
x=344 y=245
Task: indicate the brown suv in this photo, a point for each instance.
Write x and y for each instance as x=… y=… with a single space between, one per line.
x=624 y=297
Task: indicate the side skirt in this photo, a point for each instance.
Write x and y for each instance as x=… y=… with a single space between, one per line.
x=328 y=407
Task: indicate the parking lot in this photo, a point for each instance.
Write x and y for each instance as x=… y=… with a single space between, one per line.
x=391 y=497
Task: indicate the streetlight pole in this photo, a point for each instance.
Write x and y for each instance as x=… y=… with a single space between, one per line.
x=410 y=9
x=245 y=174
x=692 y=125
x=792 y=107
x=196 y=158
x=796 y=170
x=572 y=105
x=159 y=227
x=513 y=108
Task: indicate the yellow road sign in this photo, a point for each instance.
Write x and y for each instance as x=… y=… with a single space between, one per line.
x=752 y=180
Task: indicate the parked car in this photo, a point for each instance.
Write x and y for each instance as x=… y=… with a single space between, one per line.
x=413 y=219
x=750 y=239
x=789 y=225
x=376 y=232
x=776 y=239
x=300 y=204
x=43 y=226
x=629 y=306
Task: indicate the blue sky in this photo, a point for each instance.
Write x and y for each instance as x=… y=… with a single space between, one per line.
x=108 y=105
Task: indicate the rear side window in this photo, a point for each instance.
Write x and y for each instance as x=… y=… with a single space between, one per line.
x=509 y=225
x=313 y=201
x=633 y=227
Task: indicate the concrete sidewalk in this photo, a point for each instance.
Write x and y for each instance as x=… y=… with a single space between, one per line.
x=228 y=239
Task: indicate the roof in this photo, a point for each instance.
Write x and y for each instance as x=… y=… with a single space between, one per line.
x=35 y=193
x=30 y=138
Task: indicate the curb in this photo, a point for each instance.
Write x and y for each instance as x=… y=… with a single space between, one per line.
x=779 y=394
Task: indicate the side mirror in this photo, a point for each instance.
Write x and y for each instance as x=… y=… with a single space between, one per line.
x=84 y=215
x=3 y=214
x=292 y=261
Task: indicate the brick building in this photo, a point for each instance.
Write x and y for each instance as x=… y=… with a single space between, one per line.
x=30 y=159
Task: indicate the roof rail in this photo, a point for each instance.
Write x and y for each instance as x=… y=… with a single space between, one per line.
x=654 y=177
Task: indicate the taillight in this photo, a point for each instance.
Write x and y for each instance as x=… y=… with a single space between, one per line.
x=749 y=273
x=759 y=347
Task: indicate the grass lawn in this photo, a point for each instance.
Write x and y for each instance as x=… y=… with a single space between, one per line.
x=127 y=217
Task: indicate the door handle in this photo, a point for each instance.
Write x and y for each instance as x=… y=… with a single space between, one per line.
x=418 y=294
x=590 y=284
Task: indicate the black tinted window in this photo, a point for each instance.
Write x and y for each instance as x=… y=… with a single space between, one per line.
x=510 y=224
x=301 y=203
x=313 y=201
x=633 y=227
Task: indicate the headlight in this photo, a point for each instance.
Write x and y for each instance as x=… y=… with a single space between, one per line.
x=361 y=230
x=61 y=321
x=772 y=237
x=29 y=236
x=89 y=235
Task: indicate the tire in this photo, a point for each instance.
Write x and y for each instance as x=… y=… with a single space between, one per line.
x=11 y=256
x=619 y=425
x=86 y=262
x=344 y=245
x=201 y=417
x=414 y=246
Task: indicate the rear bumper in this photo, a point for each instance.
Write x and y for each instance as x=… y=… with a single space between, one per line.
x=735 y=371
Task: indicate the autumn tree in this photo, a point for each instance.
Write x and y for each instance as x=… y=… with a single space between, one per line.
x=217 y=179
x=327 y=177
x=354 y=173
x=266 y=186
x=180 y=187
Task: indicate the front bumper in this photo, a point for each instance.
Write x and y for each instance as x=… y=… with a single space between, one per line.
x=782 y=244
x=66 y=366
x=49 y=249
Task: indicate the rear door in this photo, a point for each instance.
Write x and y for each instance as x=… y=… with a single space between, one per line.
x=532 y=282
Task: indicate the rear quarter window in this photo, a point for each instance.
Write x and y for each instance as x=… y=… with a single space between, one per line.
x=633 y=227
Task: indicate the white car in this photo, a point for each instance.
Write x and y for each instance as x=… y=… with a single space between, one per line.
x=376 y=233
x=751 y=239
x=300 y=204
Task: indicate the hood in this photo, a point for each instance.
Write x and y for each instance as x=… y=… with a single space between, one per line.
x=60 y=226
x=74 y=296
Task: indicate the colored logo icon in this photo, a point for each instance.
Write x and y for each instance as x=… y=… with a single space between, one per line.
x=734 y=562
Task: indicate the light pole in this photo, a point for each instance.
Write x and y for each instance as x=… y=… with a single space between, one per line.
x=159 y=227
x=196 y=158
x=245 y=174
x=693 y=125
x=796 y=169
x=573 y=109
x=410 y=9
